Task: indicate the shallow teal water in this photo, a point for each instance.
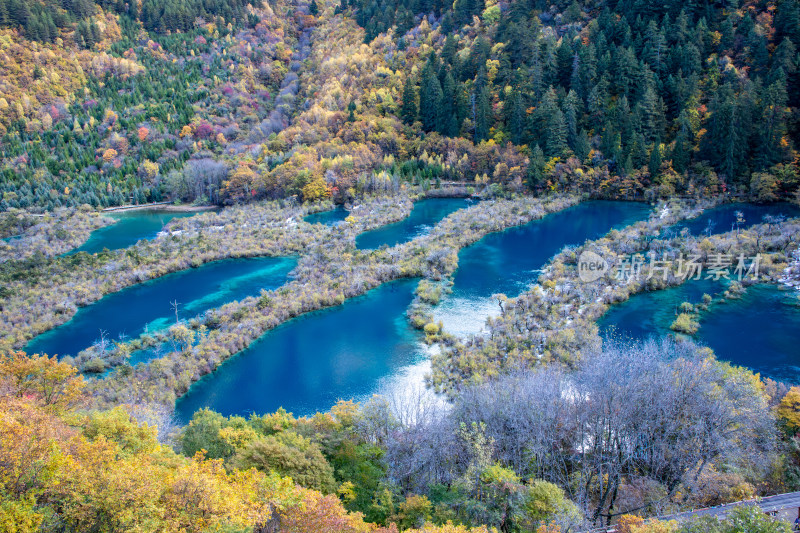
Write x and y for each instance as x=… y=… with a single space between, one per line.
x=366 y=345
x=130 y=228
x=424 y=215
x=760 y=330
x=723 y=218
x=308 y=363
x=146 y=306
x=146 y=354
x=508 y=262
x=328 y=218
x=649 y=314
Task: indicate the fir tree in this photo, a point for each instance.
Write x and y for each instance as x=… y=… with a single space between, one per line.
x=482 y=115
x=582 y=146
x=536 y=169
x=516 y=117
x=449 y=115
x=654 y=165
x=5 y=19
x=681 y=152
x=556 y=135
x=572 y=109
x=430 y=98
x=408 y=111
x=771 y=125
x=725 y=132
x=638 y=151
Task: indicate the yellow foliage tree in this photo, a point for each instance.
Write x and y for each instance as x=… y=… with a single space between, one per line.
x=789 y=408
x=241 y=184
x=150 y=169
x=316 y=190
x=635 y=524
x=44 y=379
x=106 y=472
x=109 y=155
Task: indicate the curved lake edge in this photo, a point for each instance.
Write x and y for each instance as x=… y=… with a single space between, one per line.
x=129 y=227
x=158 y=278
x=292 y=300
x=206 y=382
x=425 y=214
x=450 y=292
x=372 y=296
x=62 y=284
x=757 y=328
x=646 y=212
x=728 y=207
x=564 y=308
x=777 y=283
x=151 y=345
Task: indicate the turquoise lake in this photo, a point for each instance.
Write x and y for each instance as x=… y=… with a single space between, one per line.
x=760 y=330
x=328 y=218
x=366 y=345
x=146 y=306
x=508 y=262
x=424 y=215
x=723 y=218
x=307 y=364
x=130 y=228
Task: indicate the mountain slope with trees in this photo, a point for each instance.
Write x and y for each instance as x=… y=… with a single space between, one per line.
x=621 y=100
x=675 y=97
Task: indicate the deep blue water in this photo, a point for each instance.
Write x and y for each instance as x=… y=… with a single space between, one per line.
x=649 y=314
x=424 y=215
x=366 y=345
x=723 y=218
x=308 y=363
x=508 y=262
x=760 y=330
x=131 y=227
x=328 y=218
x=146 y=306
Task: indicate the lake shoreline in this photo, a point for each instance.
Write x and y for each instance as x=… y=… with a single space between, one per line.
x=166 y=206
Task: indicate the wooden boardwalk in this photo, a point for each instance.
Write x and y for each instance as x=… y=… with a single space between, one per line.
x=783 y=506
x=771 y=505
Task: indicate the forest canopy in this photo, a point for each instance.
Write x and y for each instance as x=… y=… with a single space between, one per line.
x=229 y=102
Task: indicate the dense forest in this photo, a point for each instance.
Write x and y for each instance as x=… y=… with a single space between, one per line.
x=44 y=21
x=657 y=91
x=108 y=125
x=204 y=101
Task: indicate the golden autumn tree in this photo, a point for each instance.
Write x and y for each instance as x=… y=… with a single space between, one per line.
x=109 y=155
x=42 y=379
x=240 y=186
x=635 y=524
x=107 y=472
x=316 y=190
x=789 y=408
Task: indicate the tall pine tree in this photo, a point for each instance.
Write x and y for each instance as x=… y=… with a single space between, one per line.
x=408 y=111
x=448 y=118
x=430 y=98
x=516 y=117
